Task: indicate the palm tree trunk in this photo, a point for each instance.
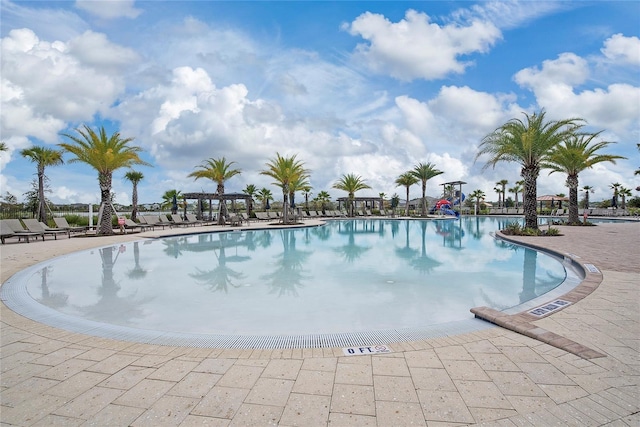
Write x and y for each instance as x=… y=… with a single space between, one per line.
x=134 y=202
x=42 y=214
x=423 y=208
x=222 y=211
x=406 y=205
x=572 y=183
x=105 y=227
x=285 y=205
x=531 y=194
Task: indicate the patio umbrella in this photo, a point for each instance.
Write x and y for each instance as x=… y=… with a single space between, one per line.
x=174 y=205
x=293 y=202
x=267 y=206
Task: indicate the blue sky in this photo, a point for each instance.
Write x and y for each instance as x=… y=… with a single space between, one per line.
x=370 y=88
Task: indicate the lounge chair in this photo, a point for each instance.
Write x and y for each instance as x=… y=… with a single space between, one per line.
x=36 y=226
x=192 y=219
x=154 y=221
x=273 y=215
x=262 y=216
x=129 y=224
x=177 y=220
x=6 y=232
x=245 y=217
x=61 y=223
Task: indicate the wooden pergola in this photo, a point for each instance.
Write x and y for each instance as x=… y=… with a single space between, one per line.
x=369 y=202
x=210 y=197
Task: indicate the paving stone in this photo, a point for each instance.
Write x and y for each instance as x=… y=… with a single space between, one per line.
x=173 y=370
x=89 y=403
x=127 y=377
x=396 y=389
x=545 y=373
x=27 y=389
x=270 y=391
x=57 y=420
x=327 y=364
x=465 y=370
x=488 y=415
x=347 y=373
x=198 y=421
x=113 y=364
x=515 y=384
x=432 y=379
x=563 y=393
x=115 y=415
x=214 y=366
x=145 y=393
x=240 y=376
x=454 y=352
x=256 y=415
x=306 y=410
x=314 y=382
x=444 y=406
x=77 y=384
x=399 y=414
x=30 y=411
x=221 y=402
x=389 y=366
x=423 y=359
x=495 y=362
x=195 y=384
x=166 y=411
x=482 y=394
x=337 y=419
x=282 y=368
x=353 y=399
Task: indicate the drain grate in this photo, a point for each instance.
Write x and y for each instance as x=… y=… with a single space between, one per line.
x=549 y=308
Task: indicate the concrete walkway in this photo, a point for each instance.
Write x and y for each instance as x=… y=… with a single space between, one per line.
x=494 y=377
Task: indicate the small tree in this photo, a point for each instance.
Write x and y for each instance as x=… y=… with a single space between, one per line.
x=134 y=177
x=351 y=183
x=406 y=180
x=42 y=157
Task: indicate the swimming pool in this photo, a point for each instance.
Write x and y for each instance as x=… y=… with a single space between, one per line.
x=357 y=280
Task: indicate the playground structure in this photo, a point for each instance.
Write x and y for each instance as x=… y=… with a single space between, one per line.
x=446 y=204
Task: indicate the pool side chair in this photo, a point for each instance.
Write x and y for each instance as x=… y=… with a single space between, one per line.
x=129 y=224
x=178 y=221
x=6 y=233
x=192 y=219
x=36 y=226
x=262 y=216
x=61 y=223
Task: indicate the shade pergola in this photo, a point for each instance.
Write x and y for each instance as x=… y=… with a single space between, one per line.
x=453 y=183
x=201 y=197
x=550 y=200
x=367 y=201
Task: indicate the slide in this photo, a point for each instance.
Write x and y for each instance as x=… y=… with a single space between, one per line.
x=448 y=211
x=458 y=200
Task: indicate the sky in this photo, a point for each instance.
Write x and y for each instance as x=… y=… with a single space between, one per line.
x=364 y=87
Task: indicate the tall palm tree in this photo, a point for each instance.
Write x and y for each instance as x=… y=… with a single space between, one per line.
x=527 y=143
x=406 y=180
x=167 y=198
x=135 y=177
x=297 y=185
x=306 y=191
x=264 y=195
x=587 y=189
x=106 y=154
x=42 y=157
x=286 y=171
x=616 y=192
x=498 y=190
x=517 y=188
x=424 y=172
x=503 y=187
x=218 y=171
x=477 y=196
x=250 y=190
x=571 y=157
x=637 y=172
x=624 y=193
x=323 y=198
x=350 y=183
x=520 y=185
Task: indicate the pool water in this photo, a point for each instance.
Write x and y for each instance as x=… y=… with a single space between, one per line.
x=346 y=276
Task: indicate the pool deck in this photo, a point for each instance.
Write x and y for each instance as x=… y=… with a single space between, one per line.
x=494 y=377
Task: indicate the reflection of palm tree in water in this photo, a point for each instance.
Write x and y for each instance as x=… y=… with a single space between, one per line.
x=221 y=277
x=351 y=251
x=407 y=252
x=473 y=227
x=289 y=273
x=110 y=307
x=173 y=247
x=323 y=232
x=53 y=300
x=137 y=272
x=424 y=263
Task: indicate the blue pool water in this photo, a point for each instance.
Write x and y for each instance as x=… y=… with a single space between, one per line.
x=346 y=276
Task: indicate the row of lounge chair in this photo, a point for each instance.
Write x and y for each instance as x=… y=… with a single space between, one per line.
x=28 y=228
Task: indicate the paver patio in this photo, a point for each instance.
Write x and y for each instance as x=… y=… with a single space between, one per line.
x=494 y=377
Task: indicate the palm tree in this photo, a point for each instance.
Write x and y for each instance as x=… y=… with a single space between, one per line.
x=424 y=172
x=587 y=189
x=42 y=157
x=574 y=155
x=624 y=193
x=264 y=195
x=106 y=154
x=407 y=179
x=250 y=190
x=306 y=191
x=167 y=198
x=515 y=190
x=616 y=192
x=3 y=146
x=218 y=171
x=382 y=197
x=298 y=185
x=529 y=144
x=135 y=177
x=637 y=172
x=286 y=171
x=499 y=191
x=503 y=186
x=520 y=185
x=351 y=183
x=323 y=197
x=477 y=196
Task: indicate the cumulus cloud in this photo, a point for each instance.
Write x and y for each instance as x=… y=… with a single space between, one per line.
x=625 y=50
x=416 y=48
x=109 y=9
x=47 y=84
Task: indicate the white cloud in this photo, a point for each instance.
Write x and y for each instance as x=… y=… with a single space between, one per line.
x=109 y=9
x=416 y=48
x=625 y=50
x=47 y=84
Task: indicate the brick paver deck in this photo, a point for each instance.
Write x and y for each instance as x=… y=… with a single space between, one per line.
x=495 y=377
